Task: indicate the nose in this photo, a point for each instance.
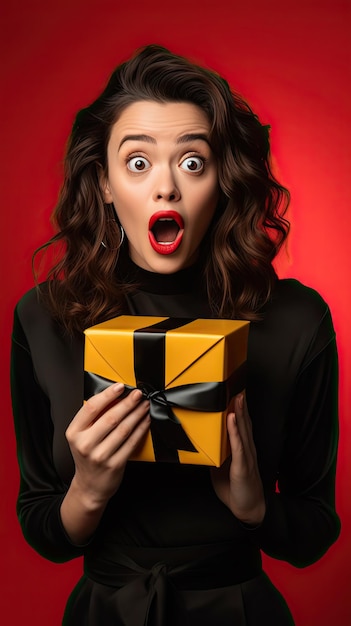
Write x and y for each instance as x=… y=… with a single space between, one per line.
x=166 y=187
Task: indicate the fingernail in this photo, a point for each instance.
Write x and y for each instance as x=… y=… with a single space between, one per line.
x=118 y=387
x=241 y=401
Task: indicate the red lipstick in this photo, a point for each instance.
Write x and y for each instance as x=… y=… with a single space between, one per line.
x=166 y=229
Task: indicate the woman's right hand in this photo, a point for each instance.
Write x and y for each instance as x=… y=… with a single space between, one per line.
x=102 y=437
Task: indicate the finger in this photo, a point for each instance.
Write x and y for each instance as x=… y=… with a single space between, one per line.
x=235 y=439
x=244 y=423
x=117 y=412
x=124 y=437
x=128 y=447
x=95 y=405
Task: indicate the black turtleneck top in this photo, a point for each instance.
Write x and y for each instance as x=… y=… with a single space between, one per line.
x=292 y=400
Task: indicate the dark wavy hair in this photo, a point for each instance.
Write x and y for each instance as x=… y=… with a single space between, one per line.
x=249 y=226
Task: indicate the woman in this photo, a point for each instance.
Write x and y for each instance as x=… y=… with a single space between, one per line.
x=169 y=207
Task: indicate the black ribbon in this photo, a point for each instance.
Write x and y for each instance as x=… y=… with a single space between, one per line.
x=168 y=435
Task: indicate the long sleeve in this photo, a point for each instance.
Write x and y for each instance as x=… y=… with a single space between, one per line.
x=301 y=522
x=41 y=489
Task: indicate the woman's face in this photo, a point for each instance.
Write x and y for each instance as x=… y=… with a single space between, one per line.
x=162 y=179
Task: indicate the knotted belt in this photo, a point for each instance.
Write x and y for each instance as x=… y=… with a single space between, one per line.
x=149 y=581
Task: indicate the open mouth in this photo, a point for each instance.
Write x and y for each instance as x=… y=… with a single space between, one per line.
x=166 y=230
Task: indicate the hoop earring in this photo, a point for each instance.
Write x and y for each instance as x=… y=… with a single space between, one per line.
x=122 y=235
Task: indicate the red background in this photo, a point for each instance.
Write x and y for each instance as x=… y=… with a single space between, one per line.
x=291 y=60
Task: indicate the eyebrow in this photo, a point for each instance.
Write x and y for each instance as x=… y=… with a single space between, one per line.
x=183 y=139
x=193 y=137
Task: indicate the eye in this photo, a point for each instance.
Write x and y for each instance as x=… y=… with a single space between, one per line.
x=138 y=164
x=193 y=164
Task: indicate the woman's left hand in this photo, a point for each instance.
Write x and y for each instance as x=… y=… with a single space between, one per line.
x=237 y=482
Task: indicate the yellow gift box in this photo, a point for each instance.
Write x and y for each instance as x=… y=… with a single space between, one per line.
x=189 y=369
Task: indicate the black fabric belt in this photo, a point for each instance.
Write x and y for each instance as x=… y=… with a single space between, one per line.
x=148 y=580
